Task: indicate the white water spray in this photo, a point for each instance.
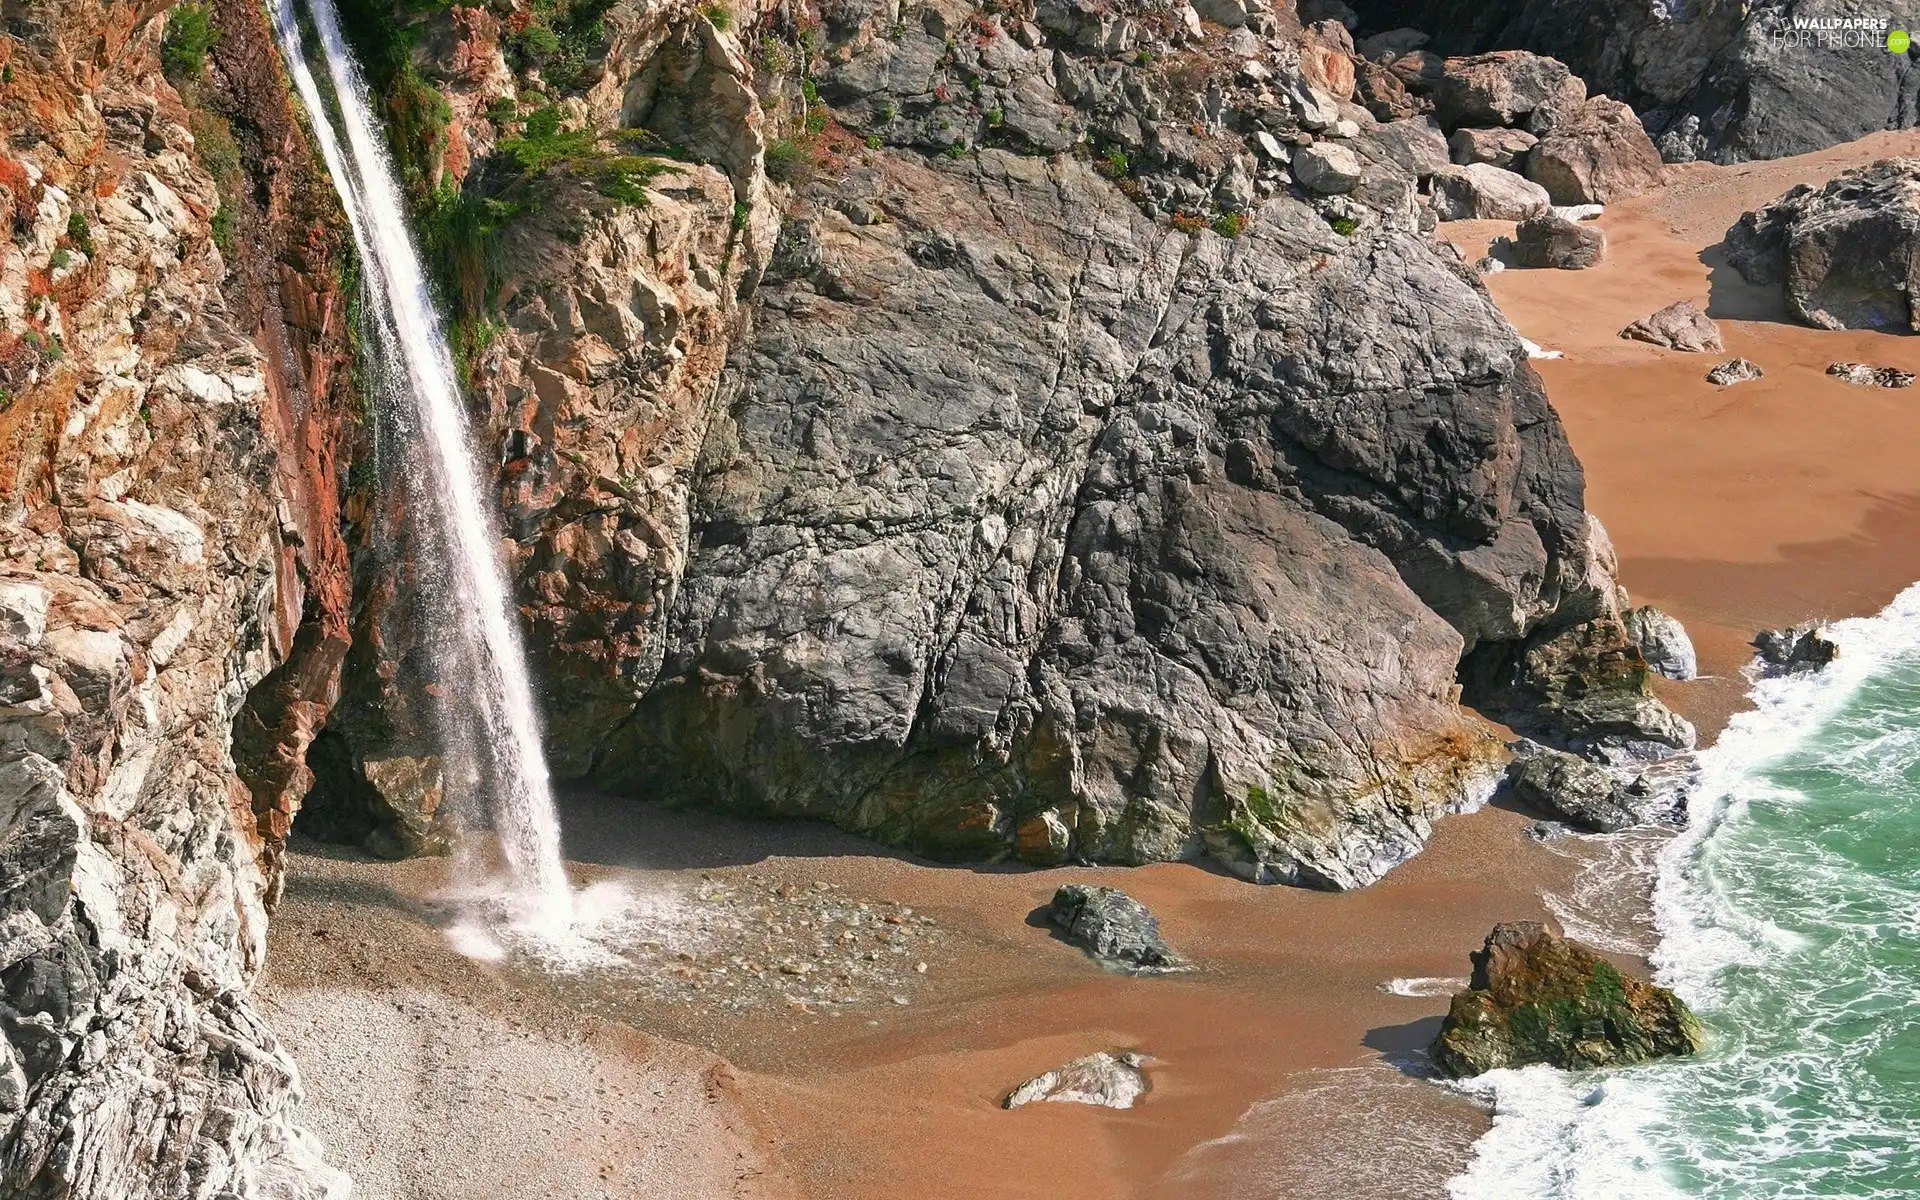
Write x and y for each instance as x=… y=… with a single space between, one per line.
x=489 y=718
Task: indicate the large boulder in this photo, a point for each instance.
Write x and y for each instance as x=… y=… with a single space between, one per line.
x=1595 y=153
x=1555 y=242
x=1507 y=87
x=1679 y=326
x=1113 y=927
x=1538 y=998
x=1586 y=795
x=1847 y=254
x=1584 y=688
x=1482 y=192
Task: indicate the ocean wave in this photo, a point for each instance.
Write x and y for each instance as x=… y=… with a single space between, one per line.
x=1788 y=914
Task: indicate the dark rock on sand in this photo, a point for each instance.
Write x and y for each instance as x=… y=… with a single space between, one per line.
x=1538 y=998
x=1599 y=797
x=1802 y=647
x=1734 y=370
x=1113 y=927
x=1663 y=642
x=1863 y=375
x=1848 y=253
x=1679 y=326
x=1584 y=794
x=1109 y=1079
x=1550 y=241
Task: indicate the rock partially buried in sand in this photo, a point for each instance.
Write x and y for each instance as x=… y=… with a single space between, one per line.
x=1117 y=930
x=1110 y=1079
x=1538 y=998
x=1863 y=375
x=1734 y=370
x=1802 y=647
x=1679 y=326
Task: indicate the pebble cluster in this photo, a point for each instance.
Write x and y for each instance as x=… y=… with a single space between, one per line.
x=738 y=943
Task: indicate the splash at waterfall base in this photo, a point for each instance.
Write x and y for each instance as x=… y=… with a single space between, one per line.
x=495 y=769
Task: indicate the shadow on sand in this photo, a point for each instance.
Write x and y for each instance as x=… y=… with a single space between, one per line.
x=1404 y=1047
x=1731 y=298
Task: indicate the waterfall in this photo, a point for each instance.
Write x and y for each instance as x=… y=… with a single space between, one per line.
x=488 y=720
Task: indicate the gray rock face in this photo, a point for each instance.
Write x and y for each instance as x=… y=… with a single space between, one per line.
x=1864 y=375
x=1734 y=370
x=1500 y=147
x=1596 y=153
x=1679 y=326
x=153 y=568
x=1109 y=1079
x=1663 y=642
x=1114 y=928
x=1803 y=647
x=1714 y=80
x=1554 y=242
x=1483 y=192
x=1847 y=254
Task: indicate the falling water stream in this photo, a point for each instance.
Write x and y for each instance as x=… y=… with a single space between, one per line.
x=489 y=724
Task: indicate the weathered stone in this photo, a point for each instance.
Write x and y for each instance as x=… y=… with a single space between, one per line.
x=1480 y=192
x=1506 y=87
x=1734 y=370
x=1585 y=688
x=1420 y=71
x=1679 y=326
x=1584 y=794
x=1596 y=152
x=1114 y=928
x=1798 y=648
x=1383 y=48
x=1847 y=254
x=1550 y=241
x=1663 y=642
x=1501 y=147
x=1109 y=1079
x=1537 y=998
x=1416 y=145
x=1864 y=375
x=1327 y=168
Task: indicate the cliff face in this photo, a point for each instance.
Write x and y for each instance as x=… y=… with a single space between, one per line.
x=1723 y=80
x=977 y=435
x=168 y=541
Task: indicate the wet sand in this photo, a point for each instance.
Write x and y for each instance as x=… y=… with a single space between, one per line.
x=1282 y=1069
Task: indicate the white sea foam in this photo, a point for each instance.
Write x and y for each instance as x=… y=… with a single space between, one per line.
x=1603 y=1136
x=1425 y=985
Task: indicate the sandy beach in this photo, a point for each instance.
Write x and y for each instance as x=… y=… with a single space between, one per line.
x=1282 y=1067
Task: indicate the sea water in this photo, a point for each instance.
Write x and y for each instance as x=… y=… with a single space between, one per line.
x=1789 y=917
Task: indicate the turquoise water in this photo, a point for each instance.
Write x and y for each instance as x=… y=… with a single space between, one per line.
x=1789 y=915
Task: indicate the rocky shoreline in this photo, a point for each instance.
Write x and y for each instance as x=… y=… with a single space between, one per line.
x=1046 y=435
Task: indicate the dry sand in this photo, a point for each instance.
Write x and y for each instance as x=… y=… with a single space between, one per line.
x=1281 y=1066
